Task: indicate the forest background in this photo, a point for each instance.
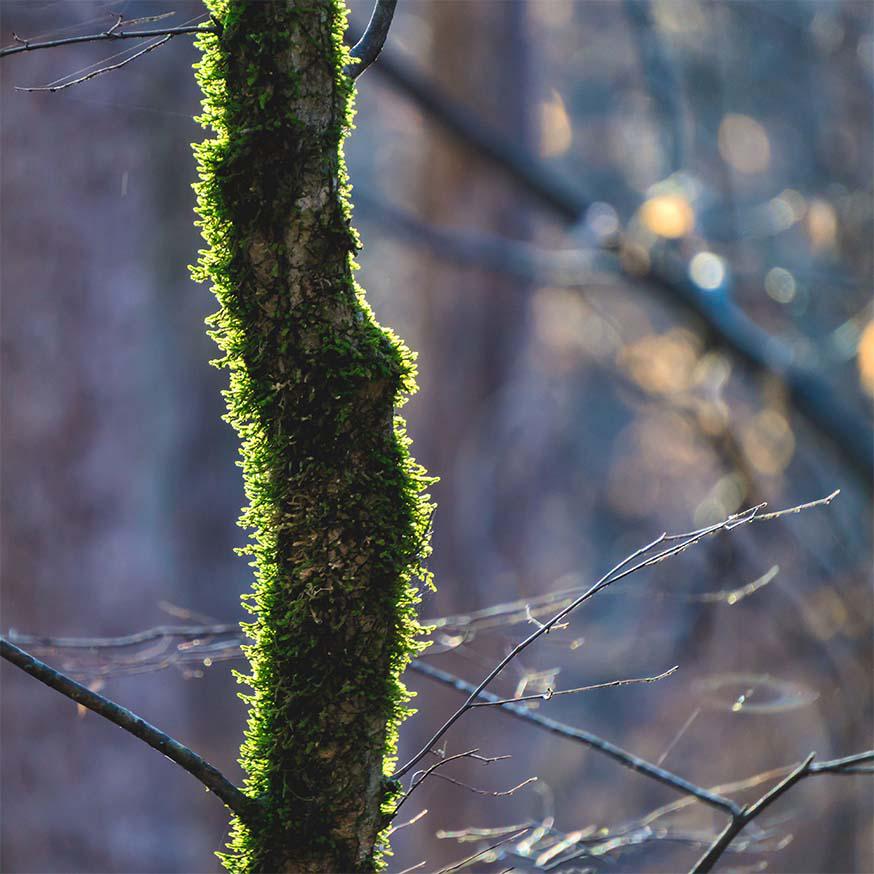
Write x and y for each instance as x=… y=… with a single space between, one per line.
x=569 y=420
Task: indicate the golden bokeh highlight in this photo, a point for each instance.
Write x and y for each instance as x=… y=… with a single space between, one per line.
x=668 y=215
x=744 y=144
x=768 y=442
x=826 y=613
x=822 y=225
x=865 y=358
x=724 y=498
x=568 y=330
x=556 y=133
x=662 y=364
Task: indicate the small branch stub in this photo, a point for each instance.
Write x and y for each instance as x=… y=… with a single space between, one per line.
x=367 y=49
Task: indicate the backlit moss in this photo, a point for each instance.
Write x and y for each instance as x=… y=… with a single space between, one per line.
x=336 y=509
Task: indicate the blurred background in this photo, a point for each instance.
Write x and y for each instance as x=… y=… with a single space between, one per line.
x=632 y=245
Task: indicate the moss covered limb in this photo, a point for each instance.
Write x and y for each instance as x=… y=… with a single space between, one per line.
x=335 y=504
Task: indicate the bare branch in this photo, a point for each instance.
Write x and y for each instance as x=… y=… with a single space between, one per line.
x=620 y=571
x=822 y=502
x=741 y=816
x=464 y=862
x=578 y=735
x=98 y=72
x=494 y=794
x=514 y=612
x=845 y=765
x=739 y=821
x=554 y=693
x=195 y=648
x=112 y=33
x=409 y=822
x=139 y=637
x=420 y=776
x=541 y=630
x=719 y=846
x=244 y=806
x=367 y=49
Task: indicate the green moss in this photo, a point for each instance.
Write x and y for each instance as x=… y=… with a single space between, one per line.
x=336 y=505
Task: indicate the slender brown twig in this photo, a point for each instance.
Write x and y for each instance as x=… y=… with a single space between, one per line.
x=98 y=72
x=554 y=693
x=112 y=33
x=619 y=572
x=578 y=735
x=741 y=816
x=244 y=806
x=420 y=776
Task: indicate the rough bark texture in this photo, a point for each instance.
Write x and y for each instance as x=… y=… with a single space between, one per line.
x=339 y=523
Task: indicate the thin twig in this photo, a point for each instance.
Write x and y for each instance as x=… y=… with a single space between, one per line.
x=615 y=574
x=150 y=634
x=508 y=613
x=420 y=776
x=676 y=738
x=849 y=765
x=578 y=735
x=99 y=72
x=111 y=34
x=514 y=612
x=367 y=49
x=409 y=822
x=541 y=630
x=475 y=856
x=739 y=821
x=554 y=693
x=493 y=794
x=244 y=806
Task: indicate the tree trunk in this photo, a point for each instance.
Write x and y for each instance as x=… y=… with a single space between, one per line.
x=335 y=506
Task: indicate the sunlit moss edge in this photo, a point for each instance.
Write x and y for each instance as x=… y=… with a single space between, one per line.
x=284 y=425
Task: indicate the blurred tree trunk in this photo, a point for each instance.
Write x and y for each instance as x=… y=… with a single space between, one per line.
x=334 y=498
x=474 y=321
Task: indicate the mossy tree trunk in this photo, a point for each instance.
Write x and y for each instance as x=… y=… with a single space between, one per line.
x=336 y=507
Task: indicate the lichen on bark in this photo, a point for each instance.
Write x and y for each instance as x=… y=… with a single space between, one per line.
x=336 y=507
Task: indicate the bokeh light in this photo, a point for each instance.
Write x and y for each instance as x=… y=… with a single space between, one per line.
x=556 y=133
x=744 y=144
x=668 y=215
x=707 y=271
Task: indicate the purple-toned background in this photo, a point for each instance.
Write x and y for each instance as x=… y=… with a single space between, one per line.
x=568 y=426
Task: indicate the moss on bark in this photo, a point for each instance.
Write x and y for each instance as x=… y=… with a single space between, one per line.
x=336 y=507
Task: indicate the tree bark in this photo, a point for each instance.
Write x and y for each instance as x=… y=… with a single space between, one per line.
x=338 y=521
